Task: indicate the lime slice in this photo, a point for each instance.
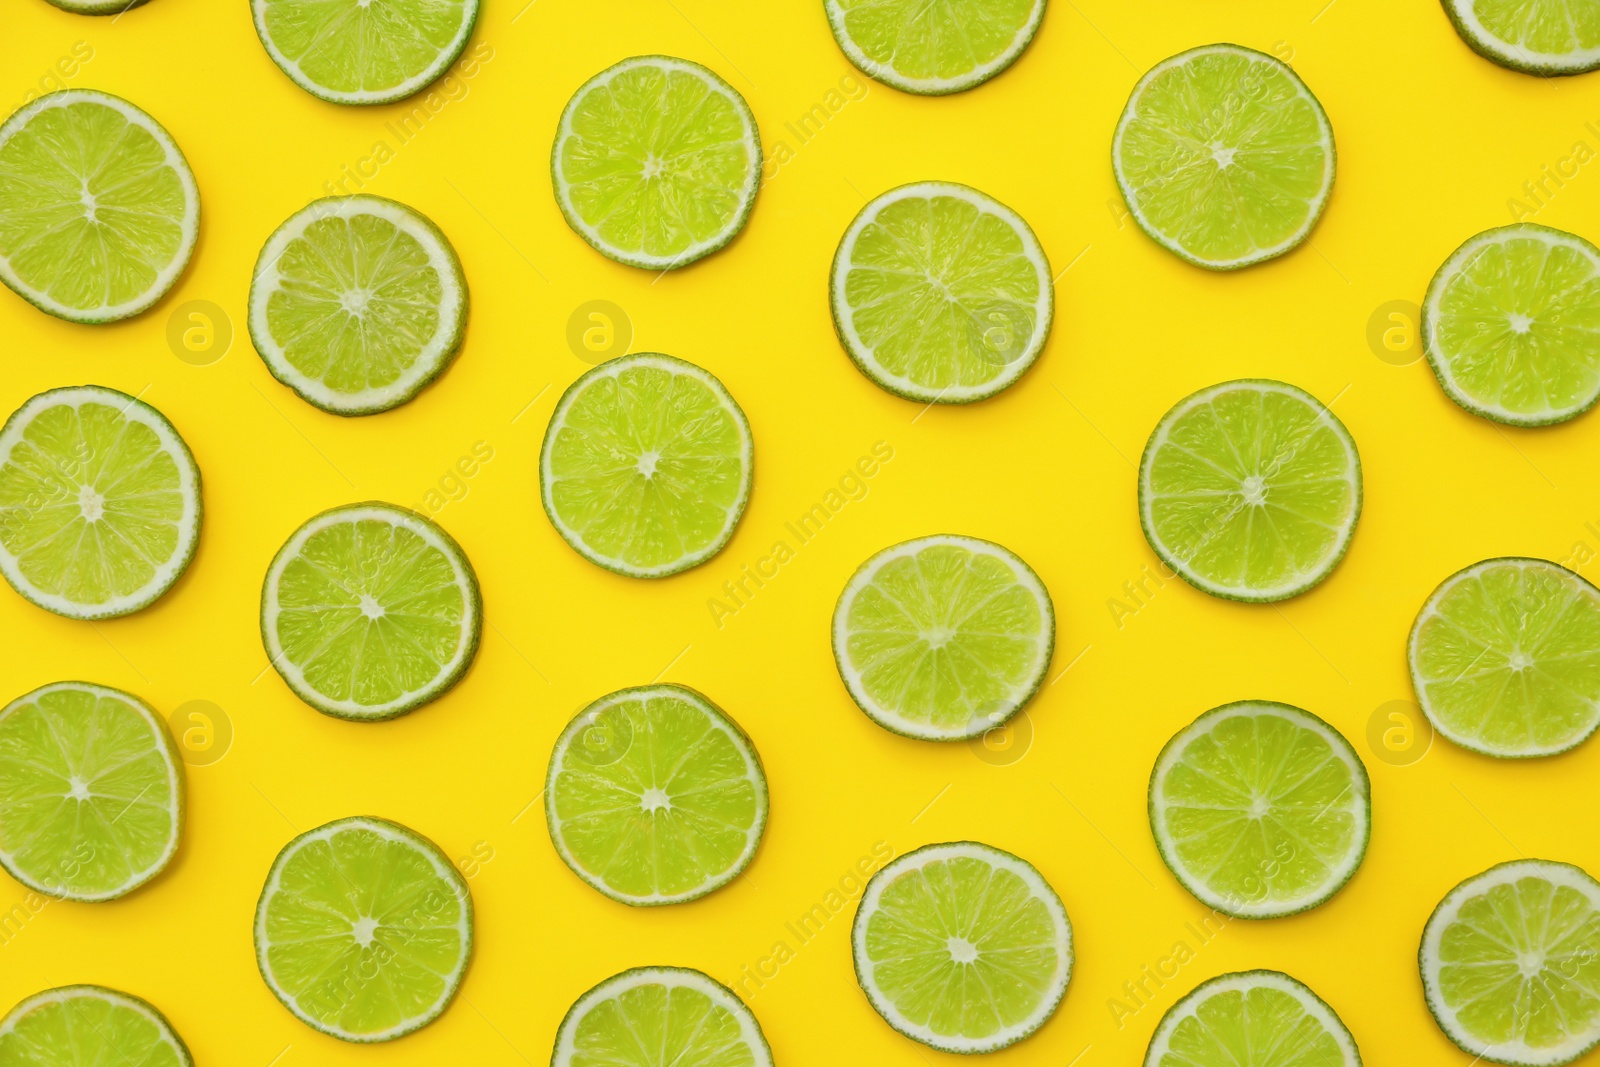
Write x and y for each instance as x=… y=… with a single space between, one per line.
x=656 y=162
x=88 y=1026
x=98 y=209
x=364 y=929
x=660 y=1017
x=962 y=947
x=1511 y=325
x=99 y=502
x=1505 y=658
x=370 y=611
x=1250 y=490
x=1533 y=36
x=933 y=49
x=91 y=792
x=655 y=796
x=1224 y=157
x=943 y=638
x=97 y=7
x=1252 y=1019
x=357 y=304
x=1510 y=964
x=646 y=465
x=359 y=52
x=941 y=294
x=1260 y=809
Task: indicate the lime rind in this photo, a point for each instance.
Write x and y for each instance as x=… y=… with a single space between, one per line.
x=719 y=721
x=861 y=354
x=1242 y=982
x=1359 y=809
x=1511 y=55
x=65 y=995
x=98 y=7
x=1040 y=889
x=885 y=72
x=168 y=275
x=566 y=1043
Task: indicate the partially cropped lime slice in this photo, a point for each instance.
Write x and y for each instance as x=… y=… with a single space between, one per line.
x=89 y=1026
x=962 y=947
x=660 y=1017
x=97 y=7
x=1505 y=658
x=1252 y=1019
x=656 y=162
x=646 y=465
x=1224 y=157
x=1250 y=490
x=99 y=502
x=1260 y=809
x=99 y=211
x=655 y=796
x=1510 y=964
x=1534 y=36
x=1511 y=324
x=941 y=294
x=91 y=792
x=364 y=929
x=370 y=611
x=361 y=51
x=938 y=48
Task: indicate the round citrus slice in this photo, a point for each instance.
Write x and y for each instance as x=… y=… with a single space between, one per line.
x=99 y=503
x=370 y=611
x=358 y=303
x=98 y=7
x=1505 y=658
x=88 y=1026
x=933 y=49
x=360 y=52
x=364 y=929
x=1260 y=809
x=962 y=947
x=91 y=792
x=1511 y=325
x=941 y=294
x=1533 y=36
x=1250 y=490
x=1252 y=1019
x=99 y=211
x=654 y=796
x=646 y=465
x=1510 y=963
x=660 y=1017
x=1224 y=157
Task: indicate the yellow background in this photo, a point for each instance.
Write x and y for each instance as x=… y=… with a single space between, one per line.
x=1432 y=141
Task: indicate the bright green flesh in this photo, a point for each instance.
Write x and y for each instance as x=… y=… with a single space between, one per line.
x=646 y=466
x=1554 y=36
x=1258 y=812
x=1250 y=490
x=1514 y=325
x=360 y=51
x=653 y=798
x=656 y=162
x=1257 y=1025
x=1173 y=160
x=643 y=1023
x=90 y=793
x=923 y=47
x=1506 y=658
x=87 y=1027
x=347 y=883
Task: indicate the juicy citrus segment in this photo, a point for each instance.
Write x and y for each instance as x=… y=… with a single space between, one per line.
x=1252 y=1019
x=934 y=48
x=656 y=162
x=370 y=611
x=99 y=502
x=1250 y=490
x=660 y=1017
x=88 y=1026
x=962 y=947
x=99 y=211
x=1224 y=157
x=1533 y=36
x=941 y=293
x=1510 y=964
x=655 y=796
x=1511 y=325
x=1260 y=809
x=364 y=929
x=1505 y=658
x=646 y=465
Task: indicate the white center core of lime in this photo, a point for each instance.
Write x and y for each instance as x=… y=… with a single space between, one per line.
x=1255 y=490
x=1521 y=323
x=1223 y=156
x=370 y=607
x=654 y=800
x=652 y=165
x=362 y=930
x=79 y=788
x=355 y=301
x=1258 y=807
x=647 y=463
x=89 y=203
x=1530 y=963
x=91 y=503
x=938 y=638
x=962 y=950
x=1519 y=660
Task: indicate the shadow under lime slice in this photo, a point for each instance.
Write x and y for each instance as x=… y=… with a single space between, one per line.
x=1252 y=1019
x=660 y=1017
x=1532 y=36
x=932 y=49
x=88 y=1026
